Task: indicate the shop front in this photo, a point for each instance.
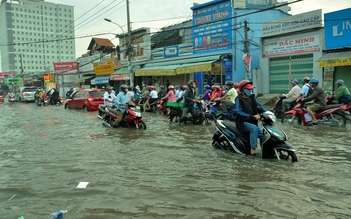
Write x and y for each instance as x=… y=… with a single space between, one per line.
x=336 y=60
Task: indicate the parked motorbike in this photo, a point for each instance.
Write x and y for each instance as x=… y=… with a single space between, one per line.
x=131 y=117
x=331 y=115
x=228 y=137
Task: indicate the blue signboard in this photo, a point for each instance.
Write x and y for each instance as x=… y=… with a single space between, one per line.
x=171 y=51
x=212 y=27
x=337 y=29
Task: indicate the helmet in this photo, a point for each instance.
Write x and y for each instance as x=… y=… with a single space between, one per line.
x=213 y=87
x=153 y=87
x=123 y=86
x=230 y=83
x=109 y=88
x=339 y=81
x=130 y=87
x=295 y=81
x=236 y=85
x=162 y=87
x=207 y=86
x=170 y=87
x=306 y=79
x=218 y=86
x=190 y=82
x=185 y=87
x=314 y=81
x=245 y=84
x=177 y=86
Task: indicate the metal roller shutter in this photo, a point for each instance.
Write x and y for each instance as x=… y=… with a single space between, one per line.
x=279 y=78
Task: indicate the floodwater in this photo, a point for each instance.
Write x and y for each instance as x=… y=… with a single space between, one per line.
x=165 y=171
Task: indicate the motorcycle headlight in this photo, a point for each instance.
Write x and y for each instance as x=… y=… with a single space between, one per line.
x=137 y=114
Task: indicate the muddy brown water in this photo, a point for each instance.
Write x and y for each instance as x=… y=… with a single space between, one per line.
x=165 y=171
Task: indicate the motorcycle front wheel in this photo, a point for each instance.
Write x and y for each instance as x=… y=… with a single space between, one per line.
x=141 y=125
x=287 y=155
x=290 y=119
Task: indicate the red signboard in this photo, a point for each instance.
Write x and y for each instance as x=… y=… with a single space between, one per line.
x=7 y=73
x=120 y=77
x=65 y=66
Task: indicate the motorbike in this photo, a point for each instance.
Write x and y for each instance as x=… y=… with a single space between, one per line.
x=228 y=137
x=45 y=101
x=59 y=101
x=278 y=107
x=12 y=98
x=153 y=105
x=332 y=115
x=161 y=107
x=199 y=115
x=131 y=117
x=347 y=107
x=1 y=99
x=215 y=110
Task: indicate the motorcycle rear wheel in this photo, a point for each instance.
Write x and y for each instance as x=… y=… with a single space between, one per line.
x=338 y=118
x=286 y=155
x=290 y=119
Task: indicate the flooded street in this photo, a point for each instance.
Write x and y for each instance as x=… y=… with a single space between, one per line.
x=165 y=171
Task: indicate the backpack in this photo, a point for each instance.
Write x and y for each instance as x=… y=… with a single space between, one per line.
x=310 y=91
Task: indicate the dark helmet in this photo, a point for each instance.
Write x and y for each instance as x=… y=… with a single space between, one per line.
x=130 y=87
x=123 y=86
x=314 y=81
x=162 y=87
x=245 y=84
x=190 y=82
x=230 y=83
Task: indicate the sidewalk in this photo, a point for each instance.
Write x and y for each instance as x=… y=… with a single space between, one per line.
x=268 y=99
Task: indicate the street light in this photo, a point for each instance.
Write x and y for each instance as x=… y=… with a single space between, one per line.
x=128 y=50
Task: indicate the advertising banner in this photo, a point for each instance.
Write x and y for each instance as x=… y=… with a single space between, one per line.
x=252 y=4
x=308 y=20
x=104 y=67
x=171 y=51
x=212 y=27
x=8 y=73
x=294 y=44
x=247 y=60
x=86 y=63
x=65 y=66
x=120 y=77
x=141 y=46
x=337 y=29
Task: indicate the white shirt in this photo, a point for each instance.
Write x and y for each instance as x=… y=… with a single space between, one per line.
x=110 y=97
x=153 y=94
x=304 y=90
x=294 y=92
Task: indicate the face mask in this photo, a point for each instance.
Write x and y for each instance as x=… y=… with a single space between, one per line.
x=248 y=92
x=194 y=86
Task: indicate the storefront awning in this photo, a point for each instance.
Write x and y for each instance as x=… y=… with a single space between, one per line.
x=335 y=59
x=195 y=67
x=100 y=80
x=168 y=70
x=125 y=70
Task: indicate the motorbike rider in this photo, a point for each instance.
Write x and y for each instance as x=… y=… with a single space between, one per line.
x=130 y=93
x=122 y=101
x=342 y=93
x=153 y=96
x=292 y=95
x=318 y=97
x=248 y=109
x=162 y=92
x=228 y=100
x=189 y=100
x=109 y=97
x=215 y=94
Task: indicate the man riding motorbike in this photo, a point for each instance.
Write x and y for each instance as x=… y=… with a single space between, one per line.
x=248 y=109
x=342 y=93
x=292 y=95
x=109 y=97
x=318 y=97
x=228 y=100
x=189 y=100
x=122 y=101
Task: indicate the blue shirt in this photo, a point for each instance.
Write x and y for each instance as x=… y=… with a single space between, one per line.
x=120 y=99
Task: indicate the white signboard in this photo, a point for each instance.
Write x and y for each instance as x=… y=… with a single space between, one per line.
x=291 y=45
x=141 y=44
x=87 y=64
x=294 y=23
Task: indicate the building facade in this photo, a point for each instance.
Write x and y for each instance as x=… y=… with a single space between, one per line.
x=35 y=34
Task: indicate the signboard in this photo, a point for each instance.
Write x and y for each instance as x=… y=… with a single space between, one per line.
x=48 y=78
x=120 y=77
x=308 y=20
x=252 y=4
x=86 y=63
x=212 y=27
x=65 y=66
x=104 y=67
x=293 y=44
x=171 y=51
x=141 y=44
x=10 y=74
x=334 y=62
x=14 y=80
x=337 y=29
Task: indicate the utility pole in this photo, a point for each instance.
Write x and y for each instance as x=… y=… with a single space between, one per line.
x=21 y=67
x=130 y=48
x=246 y=51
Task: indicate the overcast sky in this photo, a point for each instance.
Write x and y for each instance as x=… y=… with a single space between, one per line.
x=90 y=14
